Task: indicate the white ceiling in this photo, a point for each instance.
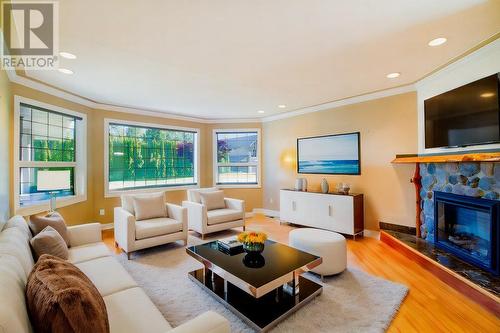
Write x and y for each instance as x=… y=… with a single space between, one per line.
x=230 y=58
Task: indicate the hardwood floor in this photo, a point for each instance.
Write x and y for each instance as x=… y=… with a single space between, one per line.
x=431 y=305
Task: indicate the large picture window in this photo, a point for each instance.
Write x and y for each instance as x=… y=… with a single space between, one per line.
x=236 y=156
x=141 y=157
x=47 y=138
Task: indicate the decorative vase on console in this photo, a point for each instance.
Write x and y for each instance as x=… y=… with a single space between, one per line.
x=346 y=188
x=298 y=184
x=324 y=186
x=304 y=184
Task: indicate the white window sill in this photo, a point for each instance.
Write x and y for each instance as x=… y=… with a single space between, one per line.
x=118 y=193
x=238 y=186
x=45 y=205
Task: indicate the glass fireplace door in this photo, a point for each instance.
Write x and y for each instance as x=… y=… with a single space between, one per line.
x=465 y=231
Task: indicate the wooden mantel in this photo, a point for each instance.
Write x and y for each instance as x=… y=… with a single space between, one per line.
x=472 y=157
x=452 y=158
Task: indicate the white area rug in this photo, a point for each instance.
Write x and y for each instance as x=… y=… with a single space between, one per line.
x=351 y=302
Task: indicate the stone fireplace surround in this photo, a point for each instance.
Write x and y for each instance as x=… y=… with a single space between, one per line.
x=475 y=179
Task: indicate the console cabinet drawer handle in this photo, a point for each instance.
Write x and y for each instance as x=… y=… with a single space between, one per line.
x=329 y=210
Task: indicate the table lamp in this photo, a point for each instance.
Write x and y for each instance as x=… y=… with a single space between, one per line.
x=53 y=181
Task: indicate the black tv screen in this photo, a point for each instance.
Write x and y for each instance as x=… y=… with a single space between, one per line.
x=465 y=116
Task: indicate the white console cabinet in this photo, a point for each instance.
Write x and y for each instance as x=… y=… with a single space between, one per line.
x=336 y=212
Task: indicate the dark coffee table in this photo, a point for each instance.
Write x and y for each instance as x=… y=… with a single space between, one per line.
x=261 y=289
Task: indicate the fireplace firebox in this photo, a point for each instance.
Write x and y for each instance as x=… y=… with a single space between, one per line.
x=468 y=228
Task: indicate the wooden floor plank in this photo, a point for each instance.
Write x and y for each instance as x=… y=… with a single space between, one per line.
x=431 y=305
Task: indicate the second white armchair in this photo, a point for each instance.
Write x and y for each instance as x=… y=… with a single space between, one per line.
x=209 y=211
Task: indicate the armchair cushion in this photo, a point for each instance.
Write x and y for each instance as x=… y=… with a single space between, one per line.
x=213 y=200
x=217 y=216
x=128 y=200
x=149 y=207
x=194 y=195
x=156 y=227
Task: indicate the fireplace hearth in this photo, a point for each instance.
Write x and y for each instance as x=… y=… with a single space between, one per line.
x=468 y=228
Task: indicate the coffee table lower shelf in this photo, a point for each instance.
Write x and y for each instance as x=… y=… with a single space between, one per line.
x=262 y=313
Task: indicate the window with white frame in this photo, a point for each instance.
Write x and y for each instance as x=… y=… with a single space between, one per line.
x=47 y=138
x=142 y=156
x=237 y=157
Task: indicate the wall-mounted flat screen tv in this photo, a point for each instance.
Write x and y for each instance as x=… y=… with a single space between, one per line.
x=337 y=154
x=465 y=116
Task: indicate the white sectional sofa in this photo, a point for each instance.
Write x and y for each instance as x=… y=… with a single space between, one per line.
x=129 y=308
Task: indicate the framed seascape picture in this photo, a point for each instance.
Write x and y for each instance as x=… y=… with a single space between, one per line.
x=337 y=154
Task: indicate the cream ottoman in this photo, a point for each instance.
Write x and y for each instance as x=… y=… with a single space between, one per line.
x=328 y=245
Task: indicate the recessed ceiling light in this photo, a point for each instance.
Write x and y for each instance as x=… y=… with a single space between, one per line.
x=261 y=111
x=437 y=41
x=393 y=75
x=282 y=106
x=65 y=70
x=67 y=55
x=487 y=94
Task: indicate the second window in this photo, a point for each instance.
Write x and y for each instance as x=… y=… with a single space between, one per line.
x=236 y=156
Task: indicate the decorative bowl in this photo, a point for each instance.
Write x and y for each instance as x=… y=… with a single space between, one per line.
x=254 y=260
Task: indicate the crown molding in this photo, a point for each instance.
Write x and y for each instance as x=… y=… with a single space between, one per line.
x=40 y=86
x=492 y=47
x=161 y=114
x=343 y=102
x=27 y=82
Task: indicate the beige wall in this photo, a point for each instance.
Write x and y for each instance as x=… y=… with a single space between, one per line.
x=89 y=211
x=388 y=127
x=4 y=143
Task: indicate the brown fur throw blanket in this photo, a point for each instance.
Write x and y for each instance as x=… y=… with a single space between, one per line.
x=60 y=298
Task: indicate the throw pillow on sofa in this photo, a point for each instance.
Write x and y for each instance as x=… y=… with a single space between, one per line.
x=49 y=241
x=60 y=298
x=149 y=207
x=213 y=200
x=55 y=220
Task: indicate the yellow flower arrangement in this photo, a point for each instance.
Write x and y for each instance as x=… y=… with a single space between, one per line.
x=252 y=237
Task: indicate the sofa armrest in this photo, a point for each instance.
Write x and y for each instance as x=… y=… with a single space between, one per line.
x=235 y=204
x=197 y=216
x=84 y=234
x=124 y=229
x=178 y=213
x=208 y=322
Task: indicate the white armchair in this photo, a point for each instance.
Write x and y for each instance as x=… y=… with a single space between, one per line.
x=205 y=221
x=132 y=235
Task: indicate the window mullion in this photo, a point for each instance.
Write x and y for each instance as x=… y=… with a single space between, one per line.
x=38 y=164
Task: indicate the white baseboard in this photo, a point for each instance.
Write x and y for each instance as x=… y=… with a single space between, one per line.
x=267 y=212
